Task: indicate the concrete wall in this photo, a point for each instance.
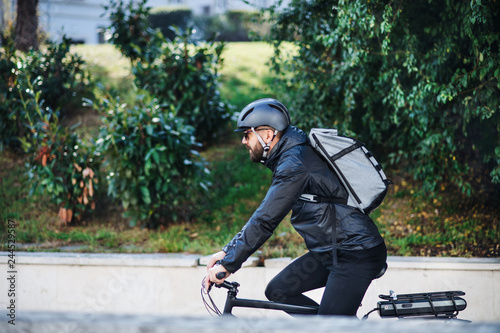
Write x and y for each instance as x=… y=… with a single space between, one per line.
x=169 y=284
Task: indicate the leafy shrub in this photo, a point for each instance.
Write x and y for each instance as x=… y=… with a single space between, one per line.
x=60 y=79
x=416 y=79
x=61 y=164
x=186 y=77
x=60 y=76
x=32 y=88
x=152 y=165
x=132 y=34
x=163 y=18
x=180 y=73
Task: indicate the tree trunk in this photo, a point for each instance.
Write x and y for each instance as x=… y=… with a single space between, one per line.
x=27 y=25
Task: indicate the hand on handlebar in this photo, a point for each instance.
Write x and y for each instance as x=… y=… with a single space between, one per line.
x=216 y=273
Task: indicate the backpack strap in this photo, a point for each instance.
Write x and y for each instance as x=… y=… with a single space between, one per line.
x=319 y=199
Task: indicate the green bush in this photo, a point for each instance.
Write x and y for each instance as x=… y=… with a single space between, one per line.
x=418 y=80
x=131 y=32
x=152 y=166
x=186 y=76
x=59 y=77
x=164 y=18
x=180 y=73
x=34 y=87
x=61 y=164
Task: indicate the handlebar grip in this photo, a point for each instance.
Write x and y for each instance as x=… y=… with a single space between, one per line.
x=220 y=275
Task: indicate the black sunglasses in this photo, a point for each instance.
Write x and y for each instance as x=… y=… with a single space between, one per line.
x=245 y=134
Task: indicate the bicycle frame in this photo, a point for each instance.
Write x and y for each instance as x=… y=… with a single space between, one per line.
x=429 y=305
x=434 y=305
x=232 y=301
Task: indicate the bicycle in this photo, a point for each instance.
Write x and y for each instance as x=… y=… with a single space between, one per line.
x=442 y=305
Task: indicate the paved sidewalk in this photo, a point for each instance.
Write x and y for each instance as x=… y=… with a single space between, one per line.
x=49 y=322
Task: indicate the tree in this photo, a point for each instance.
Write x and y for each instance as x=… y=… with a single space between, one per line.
x=418 y=80
x=27 y=25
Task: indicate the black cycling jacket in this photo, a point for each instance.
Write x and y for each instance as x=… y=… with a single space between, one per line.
x=298 y=169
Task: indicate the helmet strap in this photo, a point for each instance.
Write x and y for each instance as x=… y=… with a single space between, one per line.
x=265 y=145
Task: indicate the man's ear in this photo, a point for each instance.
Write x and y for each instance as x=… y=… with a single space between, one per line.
x=269 y=136
x=272 y=136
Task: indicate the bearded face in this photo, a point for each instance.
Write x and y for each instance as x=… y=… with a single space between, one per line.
x=255 y=151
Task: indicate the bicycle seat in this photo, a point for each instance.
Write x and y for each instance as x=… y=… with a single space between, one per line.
x=382 y=272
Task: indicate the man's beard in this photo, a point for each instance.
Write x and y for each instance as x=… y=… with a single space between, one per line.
x=256 y=153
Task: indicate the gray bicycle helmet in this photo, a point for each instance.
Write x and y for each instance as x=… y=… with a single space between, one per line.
x=264 y=112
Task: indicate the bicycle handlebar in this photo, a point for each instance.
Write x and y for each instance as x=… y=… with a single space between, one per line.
x=227 y=285
x=220 y=275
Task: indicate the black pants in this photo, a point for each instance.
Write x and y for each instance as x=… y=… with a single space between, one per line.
x=345 y=283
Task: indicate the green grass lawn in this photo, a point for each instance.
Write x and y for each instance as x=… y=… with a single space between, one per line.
x=245 y=74
x=107 y=65
x=411 y=225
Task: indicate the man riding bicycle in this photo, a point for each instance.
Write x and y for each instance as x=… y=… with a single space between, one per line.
x=346 y=250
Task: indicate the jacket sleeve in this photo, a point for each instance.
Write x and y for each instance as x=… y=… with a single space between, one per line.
x=287 y=185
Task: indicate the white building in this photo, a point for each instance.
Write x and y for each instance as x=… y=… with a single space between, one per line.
x=83 y=20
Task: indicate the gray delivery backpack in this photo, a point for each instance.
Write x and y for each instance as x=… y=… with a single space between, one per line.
x=355 y=166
